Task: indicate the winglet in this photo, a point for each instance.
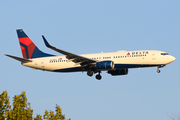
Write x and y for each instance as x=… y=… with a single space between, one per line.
x=46 y=42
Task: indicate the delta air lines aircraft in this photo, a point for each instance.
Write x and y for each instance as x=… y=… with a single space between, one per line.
x=115 y=63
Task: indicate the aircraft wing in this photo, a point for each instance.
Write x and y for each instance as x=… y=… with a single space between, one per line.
x=70 y=56
x=19 y=59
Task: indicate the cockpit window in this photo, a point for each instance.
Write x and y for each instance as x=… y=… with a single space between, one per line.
x=164 y=53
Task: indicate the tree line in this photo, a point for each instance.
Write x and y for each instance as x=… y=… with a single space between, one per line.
x=21 y=109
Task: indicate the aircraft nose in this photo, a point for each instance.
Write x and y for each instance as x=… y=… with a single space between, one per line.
x=172 y=58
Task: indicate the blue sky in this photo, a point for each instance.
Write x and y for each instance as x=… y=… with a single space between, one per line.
x=93 y=26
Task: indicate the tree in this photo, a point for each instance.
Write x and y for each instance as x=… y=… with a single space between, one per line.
x=57 y=116
x=4 y=104
x=22 y=110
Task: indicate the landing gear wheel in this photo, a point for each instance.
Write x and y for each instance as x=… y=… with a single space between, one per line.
x=98 y=77
x=90 y=73
x=158 y=71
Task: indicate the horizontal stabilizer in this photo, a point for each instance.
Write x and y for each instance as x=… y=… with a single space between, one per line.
x=19 y=59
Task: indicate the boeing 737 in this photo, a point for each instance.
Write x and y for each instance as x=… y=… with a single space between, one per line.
x=115 y=63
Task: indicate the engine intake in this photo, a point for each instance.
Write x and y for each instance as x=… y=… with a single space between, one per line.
x=105 y=65
x=118 y=72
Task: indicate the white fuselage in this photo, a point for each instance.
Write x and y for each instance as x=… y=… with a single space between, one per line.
x=121 y=59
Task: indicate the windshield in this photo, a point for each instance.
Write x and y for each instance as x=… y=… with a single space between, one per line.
x=164 y=53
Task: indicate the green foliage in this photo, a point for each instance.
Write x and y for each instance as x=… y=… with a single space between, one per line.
x=21 y=108
x=22 y=111
x=38 y=117
x=4 y=104
x=57 y=116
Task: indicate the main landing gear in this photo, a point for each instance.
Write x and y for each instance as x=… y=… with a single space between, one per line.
x=98 y=76
x=90 y=73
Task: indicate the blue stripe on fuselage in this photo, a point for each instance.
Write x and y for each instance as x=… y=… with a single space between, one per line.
x=73 y=69
x=117 y=66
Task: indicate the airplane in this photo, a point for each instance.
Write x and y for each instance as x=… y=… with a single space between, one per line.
x=115 y=63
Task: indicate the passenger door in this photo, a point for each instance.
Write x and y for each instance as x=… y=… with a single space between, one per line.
x=153 y=56
x=43 y=63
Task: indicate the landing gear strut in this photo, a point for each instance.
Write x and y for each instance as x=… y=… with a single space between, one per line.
x=98 y=76
x=158 y=70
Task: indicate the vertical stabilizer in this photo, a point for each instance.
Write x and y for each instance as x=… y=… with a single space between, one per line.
x=28 y=48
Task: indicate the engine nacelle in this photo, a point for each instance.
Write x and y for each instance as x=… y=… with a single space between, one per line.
x=118 y=72
x=105 y=65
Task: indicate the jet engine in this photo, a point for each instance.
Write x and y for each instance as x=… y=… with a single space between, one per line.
x=105 y=65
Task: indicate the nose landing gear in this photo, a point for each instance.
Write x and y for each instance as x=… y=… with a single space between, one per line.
x=160 y=66
x=158 y=70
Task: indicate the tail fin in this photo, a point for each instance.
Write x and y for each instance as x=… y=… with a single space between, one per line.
x=28 y=48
